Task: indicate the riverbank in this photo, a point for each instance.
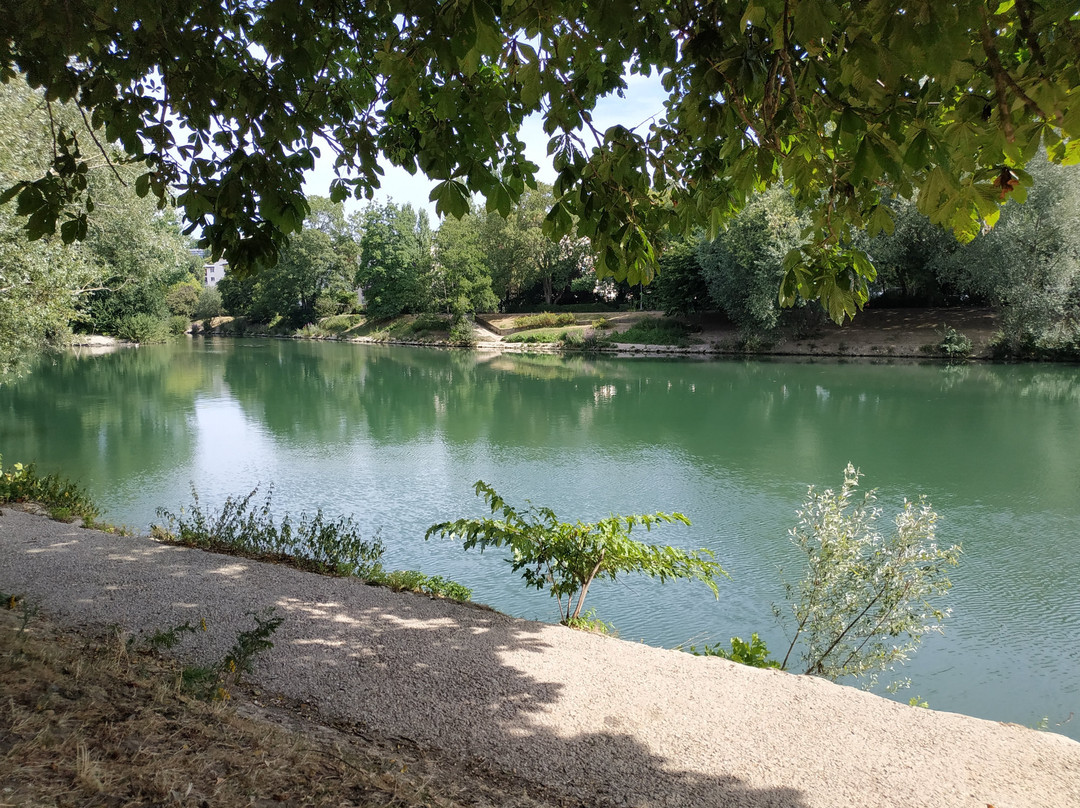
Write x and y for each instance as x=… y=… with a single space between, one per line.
x=561 y=716
x=909 y=333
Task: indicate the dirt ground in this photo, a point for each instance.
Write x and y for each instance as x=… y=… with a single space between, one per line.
x=98 y=719
x=899 y=333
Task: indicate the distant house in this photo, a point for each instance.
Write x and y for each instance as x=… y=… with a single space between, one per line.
x=215 y=271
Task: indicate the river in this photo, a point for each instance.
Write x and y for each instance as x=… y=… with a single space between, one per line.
x=396 y=437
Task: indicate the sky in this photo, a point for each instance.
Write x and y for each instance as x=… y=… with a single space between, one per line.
x=643 y=99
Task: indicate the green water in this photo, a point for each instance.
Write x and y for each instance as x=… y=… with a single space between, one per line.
x=397 y=437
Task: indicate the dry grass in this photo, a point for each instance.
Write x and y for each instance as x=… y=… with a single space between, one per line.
x=87 y=720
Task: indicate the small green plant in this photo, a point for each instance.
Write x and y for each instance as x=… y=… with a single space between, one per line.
x=249 y=644
x=212 y=682
x=955 y=345
x=591 y=623
x=61 y=514
x=415 y=581
x=544 y=319
x=918 y=701
x=753 y=653
x=315 y=543
x=165 y=639
x=445 y=588
x=566 y=557
x=864 y=603
x=27 y=612
x=64 y=499
x=602 y=323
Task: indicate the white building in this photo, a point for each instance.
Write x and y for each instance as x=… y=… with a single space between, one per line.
x=215 y=271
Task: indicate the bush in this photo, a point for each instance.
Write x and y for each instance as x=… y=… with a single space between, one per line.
x=566 y=557
x=414 y=581
x=142 y=328
x=178 y=326
x=753 y=653
x=955 y=345
x=863 y=604
x=545 y=319
x=461 y=332
x=314 y=542
x=63 y=498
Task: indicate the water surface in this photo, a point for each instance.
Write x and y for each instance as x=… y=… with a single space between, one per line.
x=396 y=437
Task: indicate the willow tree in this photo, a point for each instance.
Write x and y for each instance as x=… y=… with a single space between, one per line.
x=229 y=102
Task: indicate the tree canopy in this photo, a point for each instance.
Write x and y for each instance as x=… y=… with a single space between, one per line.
x=850 y=103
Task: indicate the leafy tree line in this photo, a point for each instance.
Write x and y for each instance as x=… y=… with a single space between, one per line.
x=1027 y=265
x=854 y=104
x=121 y=278
x=390 y=252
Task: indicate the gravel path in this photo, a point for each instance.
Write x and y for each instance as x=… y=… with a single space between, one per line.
x=608 y=721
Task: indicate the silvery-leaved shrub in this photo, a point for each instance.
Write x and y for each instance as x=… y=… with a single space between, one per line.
x=866 y=599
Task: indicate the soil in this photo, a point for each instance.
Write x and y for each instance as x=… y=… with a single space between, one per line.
x=874 y=333
x=97 y=718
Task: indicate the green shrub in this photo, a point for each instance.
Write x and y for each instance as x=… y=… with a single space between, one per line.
x=566 y=557
x=461 y=332
x=544 y=319
x=753 y=653
x=954 y=344
x=178 y=325
x=142 y=328
x=863 y=604
x=314 y=542
x=64 y=499
x=602 y=323
x=415 y=581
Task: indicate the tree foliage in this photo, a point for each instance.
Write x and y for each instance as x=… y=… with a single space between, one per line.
x=461 y=281
x=395 y=262
x=566 y=557
x=312 y=273
x=744 y=264
x=849 y=102
x=129 y=256
x=864 y=603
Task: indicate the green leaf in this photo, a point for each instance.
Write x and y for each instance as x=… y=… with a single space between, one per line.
x=451 y=198
x=529 y=76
